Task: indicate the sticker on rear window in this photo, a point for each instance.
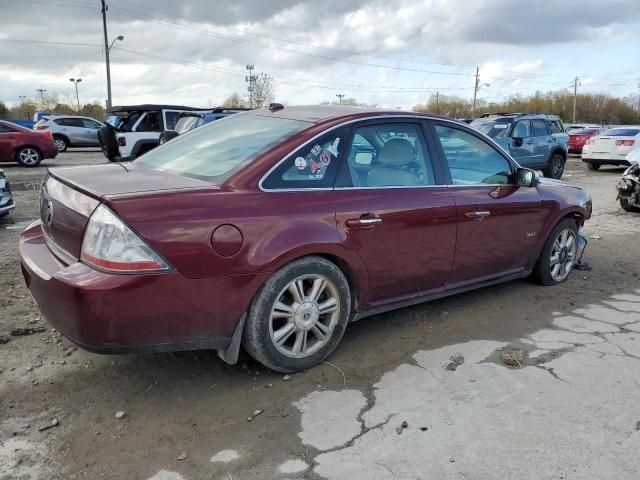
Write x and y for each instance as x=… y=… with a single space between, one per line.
x=301 y=163
x=325 y=158
x=315 y=151
x=333 y=149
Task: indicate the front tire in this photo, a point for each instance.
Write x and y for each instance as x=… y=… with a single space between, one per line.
x=627 y=207
x=299 y=316
x=29 y=157
x=555 y=169
x=558 y=254
x=61 y=143
x=594 y=166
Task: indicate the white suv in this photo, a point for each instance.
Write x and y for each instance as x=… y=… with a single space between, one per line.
x=138 y=130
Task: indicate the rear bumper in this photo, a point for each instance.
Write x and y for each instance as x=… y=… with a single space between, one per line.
x=50 y=151
x=606 y=161
x=107 y=313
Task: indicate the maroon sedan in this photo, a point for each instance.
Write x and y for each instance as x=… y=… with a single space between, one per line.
x=274 y=228
x=28 y=148
x=578 y=138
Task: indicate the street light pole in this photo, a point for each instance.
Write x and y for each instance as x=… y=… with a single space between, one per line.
x=106 y=51
x=76 y=81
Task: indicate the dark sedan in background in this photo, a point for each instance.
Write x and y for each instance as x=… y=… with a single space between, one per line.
x=274 y=228
x=27 y=147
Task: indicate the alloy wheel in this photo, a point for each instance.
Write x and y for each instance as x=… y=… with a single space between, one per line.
x=557 y=168
x=304 y=316
x=29 y=156
x=563 y=255
x=60 y=144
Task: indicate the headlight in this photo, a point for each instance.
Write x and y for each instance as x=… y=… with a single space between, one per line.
x=110 y=245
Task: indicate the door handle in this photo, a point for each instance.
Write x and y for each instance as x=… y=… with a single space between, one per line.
x=478 y=214
x=365 y=221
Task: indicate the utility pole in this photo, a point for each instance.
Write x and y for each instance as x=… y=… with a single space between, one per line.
x=475 y=92
x=575 y=97
x=106 y=51
x=41 y=91
x=250 y=79
x=340 y=97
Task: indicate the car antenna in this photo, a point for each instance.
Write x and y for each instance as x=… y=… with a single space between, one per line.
x=274 y=107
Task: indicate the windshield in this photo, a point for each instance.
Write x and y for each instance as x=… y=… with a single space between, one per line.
x=188 y=122
x=622 y=132
x=493 y=128
x=217 y=150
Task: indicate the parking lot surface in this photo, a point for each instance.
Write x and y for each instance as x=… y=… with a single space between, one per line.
x=511 y=381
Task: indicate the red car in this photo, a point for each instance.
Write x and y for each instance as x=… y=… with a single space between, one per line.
x=274 y=228
x=28 y=148
x=578 y=138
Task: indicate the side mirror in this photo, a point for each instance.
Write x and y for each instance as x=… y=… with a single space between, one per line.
x=527 y=177
x=518 y=141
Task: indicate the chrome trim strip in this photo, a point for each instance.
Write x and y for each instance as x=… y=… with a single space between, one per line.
x=58 y=251
x=375 y=117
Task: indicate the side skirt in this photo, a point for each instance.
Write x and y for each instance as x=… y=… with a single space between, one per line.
x=435 y=296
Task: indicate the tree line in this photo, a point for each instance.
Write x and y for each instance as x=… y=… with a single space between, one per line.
x=599 y=108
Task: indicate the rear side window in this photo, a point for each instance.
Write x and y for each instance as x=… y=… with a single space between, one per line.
x=556 y=126
x=313 y=166
x=171 y=118
x=472 y=161
x=539 y=128
x=388 y=155
x=217 y=150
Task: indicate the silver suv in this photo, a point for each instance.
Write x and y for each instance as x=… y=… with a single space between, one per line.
x=71 y=130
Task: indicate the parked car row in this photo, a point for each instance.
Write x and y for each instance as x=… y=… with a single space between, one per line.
x=24 y=146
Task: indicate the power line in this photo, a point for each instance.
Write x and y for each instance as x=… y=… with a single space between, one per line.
x=15 y=40
x=286 y=40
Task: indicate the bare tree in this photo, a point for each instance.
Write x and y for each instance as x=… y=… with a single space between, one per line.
x=262 y=91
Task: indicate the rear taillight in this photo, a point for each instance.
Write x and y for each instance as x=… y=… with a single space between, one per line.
x=110 y=245
x=42 y=127
x=625 y=143
x=48 y=136
x=122 y=141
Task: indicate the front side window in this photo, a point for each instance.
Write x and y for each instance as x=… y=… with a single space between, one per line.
x=539 y=128
x=388 y=155
x=171 y=118
x=149 y=123
x=522 y=129
x=217 y=150
x=472 y=161
x=86 y=123
x=5 y=129
x=186 y=123
x=313 y=166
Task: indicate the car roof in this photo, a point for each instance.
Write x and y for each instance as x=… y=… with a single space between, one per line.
x=149 y=107
x=552 y=116
x=325 y=113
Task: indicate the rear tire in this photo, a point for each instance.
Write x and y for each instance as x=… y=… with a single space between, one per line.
x=558 y=255
x=594 y=166
x=299 y=316
x=555 y=169
x=61 y=143
x=29 y=157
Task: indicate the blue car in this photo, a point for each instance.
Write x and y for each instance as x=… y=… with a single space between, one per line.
x=188 y=121
x=536 y=140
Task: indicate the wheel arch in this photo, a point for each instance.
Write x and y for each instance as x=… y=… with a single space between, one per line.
x=63 y=136
x=559 y=151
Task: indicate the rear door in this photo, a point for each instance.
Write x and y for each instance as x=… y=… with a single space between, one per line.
x=498 y=222
x=394 y=212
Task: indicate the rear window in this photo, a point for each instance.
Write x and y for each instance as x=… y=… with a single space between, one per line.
x=584 y=131
x=622 y=132
x=217 y=150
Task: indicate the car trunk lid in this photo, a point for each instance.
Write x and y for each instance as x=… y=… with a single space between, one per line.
x=69 y=196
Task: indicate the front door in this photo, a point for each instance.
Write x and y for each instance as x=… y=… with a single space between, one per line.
x=522 y=143
x=498 y=222
x=394 y=212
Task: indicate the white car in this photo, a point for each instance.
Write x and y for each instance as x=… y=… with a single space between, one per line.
x=611 y=147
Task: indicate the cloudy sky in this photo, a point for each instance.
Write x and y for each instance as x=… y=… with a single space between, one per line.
x=384 y=52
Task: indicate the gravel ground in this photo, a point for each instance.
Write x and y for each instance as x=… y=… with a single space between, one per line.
x=385 y=406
